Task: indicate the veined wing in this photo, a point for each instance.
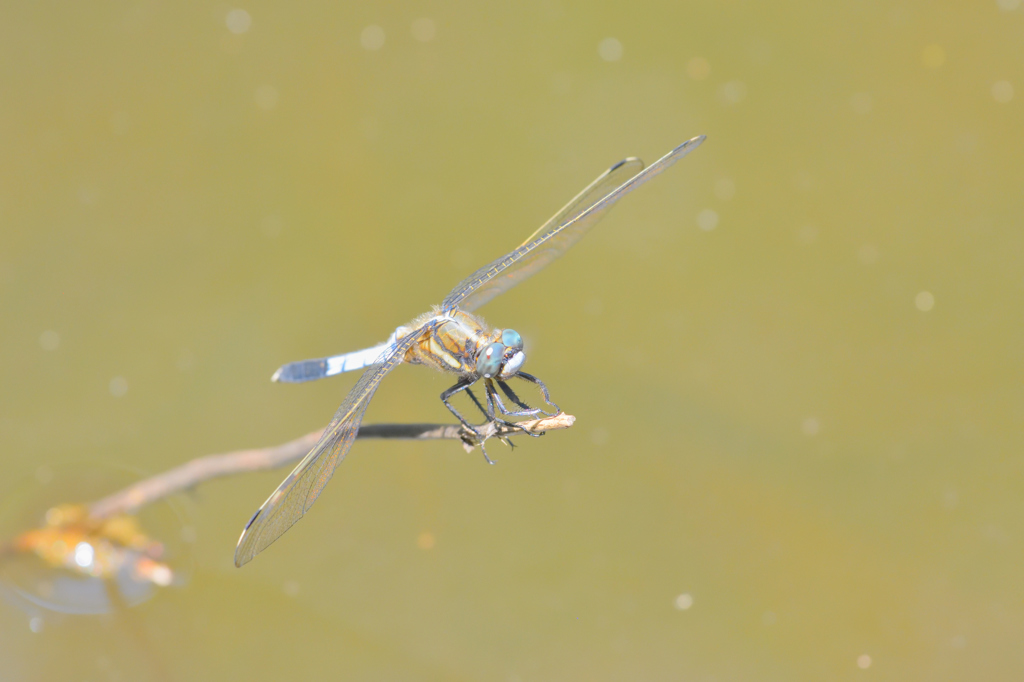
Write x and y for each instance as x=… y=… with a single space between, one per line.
x=299 y=490
x=557 y=235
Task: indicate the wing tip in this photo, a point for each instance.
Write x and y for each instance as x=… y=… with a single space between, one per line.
x=243 y=553
x=693 y=142
x=628 y=159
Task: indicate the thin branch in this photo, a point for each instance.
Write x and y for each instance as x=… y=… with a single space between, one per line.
x=196 y=471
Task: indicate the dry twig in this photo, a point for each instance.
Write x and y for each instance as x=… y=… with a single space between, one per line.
x=196 y=471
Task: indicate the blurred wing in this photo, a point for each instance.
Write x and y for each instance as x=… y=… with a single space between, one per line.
x=557 y=235
x=299 y=490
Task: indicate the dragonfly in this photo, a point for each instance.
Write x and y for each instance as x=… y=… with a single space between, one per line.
x=449 y=338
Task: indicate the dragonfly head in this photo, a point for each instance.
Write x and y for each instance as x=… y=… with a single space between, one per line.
x=502 y=358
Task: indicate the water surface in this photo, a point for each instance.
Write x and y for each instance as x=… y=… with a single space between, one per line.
x=795 y=359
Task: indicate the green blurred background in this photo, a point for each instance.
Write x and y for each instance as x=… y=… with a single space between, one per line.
x=795 y=358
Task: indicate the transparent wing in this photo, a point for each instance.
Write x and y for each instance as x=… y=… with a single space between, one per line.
x=557 y=235
x=299 y=490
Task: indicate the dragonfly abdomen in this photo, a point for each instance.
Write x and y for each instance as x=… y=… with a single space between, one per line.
x=309 y=370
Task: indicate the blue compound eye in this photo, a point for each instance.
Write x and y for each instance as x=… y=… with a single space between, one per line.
x=511 y=338
x=488 y=362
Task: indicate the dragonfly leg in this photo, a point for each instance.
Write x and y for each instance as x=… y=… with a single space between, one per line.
x=484 y=450
x=543 y=391
x=479 y=405
x=462 y=385
x=489 y=394
x=492 y=395
x=527 y=411
x=489 y=412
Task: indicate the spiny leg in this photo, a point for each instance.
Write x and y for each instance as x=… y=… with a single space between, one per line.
x=491 y=419
x=527 y=411
x=472 y=396
x=488 y=391
x=492 y=399
x=492 y=395
x=543 y=392
x=462 y=385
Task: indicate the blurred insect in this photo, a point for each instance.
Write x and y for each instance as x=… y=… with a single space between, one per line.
x=103 y=548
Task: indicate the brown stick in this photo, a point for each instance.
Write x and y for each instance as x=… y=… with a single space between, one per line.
x=196 y=471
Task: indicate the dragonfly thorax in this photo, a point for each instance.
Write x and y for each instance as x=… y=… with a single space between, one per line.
x=458 y=342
